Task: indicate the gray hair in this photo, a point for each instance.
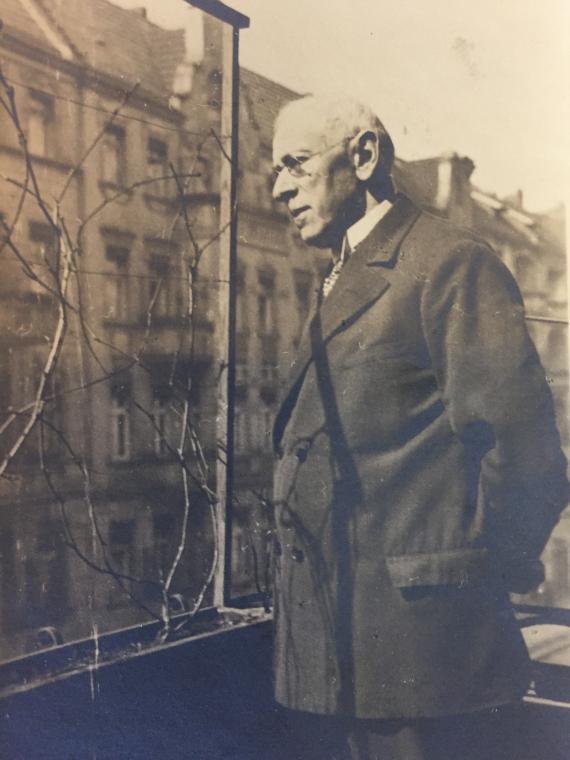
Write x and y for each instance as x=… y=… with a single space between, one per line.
x=339 y=117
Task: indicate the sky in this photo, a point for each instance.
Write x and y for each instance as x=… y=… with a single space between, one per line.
x=488 y=79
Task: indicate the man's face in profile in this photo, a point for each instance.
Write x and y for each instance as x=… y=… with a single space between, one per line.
x=315 y=178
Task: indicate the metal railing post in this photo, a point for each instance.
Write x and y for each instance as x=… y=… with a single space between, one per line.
x=226 y=332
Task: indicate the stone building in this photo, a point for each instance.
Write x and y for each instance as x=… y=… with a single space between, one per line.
x=92 y=86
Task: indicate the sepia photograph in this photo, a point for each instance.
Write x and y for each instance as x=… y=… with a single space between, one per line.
x=284 y=380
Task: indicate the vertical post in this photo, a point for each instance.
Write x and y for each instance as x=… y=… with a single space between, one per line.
x=567 y=252
x=226 y=333
x=227 y=305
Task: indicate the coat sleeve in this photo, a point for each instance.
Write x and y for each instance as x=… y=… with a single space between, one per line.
x=498 y=401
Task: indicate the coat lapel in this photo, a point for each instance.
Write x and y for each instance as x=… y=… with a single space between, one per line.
x=356 y=290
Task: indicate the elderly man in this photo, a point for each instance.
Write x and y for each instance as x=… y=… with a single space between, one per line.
x=420 y=470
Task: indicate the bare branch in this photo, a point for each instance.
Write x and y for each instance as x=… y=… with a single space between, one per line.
x=189 y=453
x=47 y=371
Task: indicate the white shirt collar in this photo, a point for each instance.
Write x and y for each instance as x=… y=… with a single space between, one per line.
x=364 y=226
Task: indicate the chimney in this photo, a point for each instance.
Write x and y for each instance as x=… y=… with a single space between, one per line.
x=454 y=188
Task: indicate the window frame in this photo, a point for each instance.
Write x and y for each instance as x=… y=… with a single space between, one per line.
x=114 y=138
x=40 y=105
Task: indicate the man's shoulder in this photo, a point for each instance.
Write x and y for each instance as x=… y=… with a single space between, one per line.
x=439 y=254
x=445 y=235
x=434 y=243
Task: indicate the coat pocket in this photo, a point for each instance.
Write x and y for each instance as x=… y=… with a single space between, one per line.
x=457 y=567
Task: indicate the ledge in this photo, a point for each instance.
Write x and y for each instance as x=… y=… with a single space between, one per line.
x=208 y=698
x=60 y=662
x=51 y=163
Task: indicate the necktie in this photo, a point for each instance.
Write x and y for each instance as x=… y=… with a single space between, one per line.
x=333 y=275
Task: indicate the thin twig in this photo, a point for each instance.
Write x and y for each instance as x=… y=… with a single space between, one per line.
x=56 y=347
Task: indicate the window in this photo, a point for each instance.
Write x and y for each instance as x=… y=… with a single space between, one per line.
x=268 y=418
x=113 y=156
x=508 y=256
x=269 y=378
x=121 y=431
x=199 y=166
x=241 y=556
x=555 y=353
x=202 y=167
x=163 y=531
x=241 y=301
x=242 y=380
x=40 y=115
x=241 y=430
x=525 y=273
x=165 y=288
x=116 y=284
x=43 y=257
x=262 y=424
x=269 y=374
x=121 y=556
x=46 y=587
x=53 y=416
x=120 y=421
x=157 y=161
x=303 y=283
x=266 y=303
x=160 y=425
x=160 y=291
x=24 y=367
x=204 y=303
x=556 y=287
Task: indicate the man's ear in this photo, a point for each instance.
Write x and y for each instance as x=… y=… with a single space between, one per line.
x=365 y=154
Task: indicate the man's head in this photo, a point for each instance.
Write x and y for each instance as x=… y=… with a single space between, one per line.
x=332 y=159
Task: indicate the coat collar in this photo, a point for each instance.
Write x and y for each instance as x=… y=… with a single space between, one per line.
x=383 y=243
x=357 y=286
x=355 y=291
x=360 y=230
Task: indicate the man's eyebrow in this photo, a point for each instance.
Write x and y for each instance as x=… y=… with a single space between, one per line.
x=291 y=159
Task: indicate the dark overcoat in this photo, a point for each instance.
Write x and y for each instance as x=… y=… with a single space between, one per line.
x=418 y=464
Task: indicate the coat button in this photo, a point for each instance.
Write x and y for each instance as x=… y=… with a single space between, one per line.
x=298 y=554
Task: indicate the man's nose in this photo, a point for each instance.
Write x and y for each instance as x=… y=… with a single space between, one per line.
x=284 y=186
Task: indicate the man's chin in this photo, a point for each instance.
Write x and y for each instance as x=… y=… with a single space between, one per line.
x=316 y=239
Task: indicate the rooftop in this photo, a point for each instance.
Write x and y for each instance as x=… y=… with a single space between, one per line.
x=109 y=39
x=263 y=99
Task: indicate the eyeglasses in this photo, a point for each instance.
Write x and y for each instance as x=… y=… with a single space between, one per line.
x=295 y=165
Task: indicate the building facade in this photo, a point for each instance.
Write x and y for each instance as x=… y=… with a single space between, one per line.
x=96 y=303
